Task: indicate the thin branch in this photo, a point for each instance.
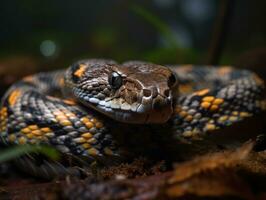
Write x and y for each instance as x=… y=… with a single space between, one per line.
x=220 y=30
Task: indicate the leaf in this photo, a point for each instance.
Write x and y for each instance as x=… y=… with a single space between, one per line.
x=16 y=151
x=215 y=161
x=211 y=175
x=163 y=28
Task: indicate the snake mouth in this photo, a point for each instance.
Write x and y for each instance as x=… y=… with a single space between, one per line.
x=148 y=111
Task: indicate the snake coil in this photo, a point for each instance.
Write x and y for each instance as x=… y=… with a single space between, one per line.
x=67 y=109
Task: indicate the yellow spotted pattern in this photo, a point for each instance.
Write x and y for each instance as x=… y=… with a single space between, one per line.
x=12 y=137
x=89 y=123
x=262 y=104
x=211 y=103
x=86 y=140
x=3 y=119
x=34 y=132
x=209 y=127
x=108 y=151
x=93 y=152
x=194 y=133
x=223 y=118
x=188 y=118
x=61 y=82
x=62 y=117
x=244 y=114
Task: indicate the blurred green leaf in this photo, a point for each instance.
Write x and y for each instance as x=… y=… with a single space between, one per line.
x=161 y=26
x=16 y=151
x=173 y=55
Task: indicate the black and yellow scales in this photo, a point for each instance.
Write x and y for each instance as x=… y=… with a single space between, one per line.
x=77 y=110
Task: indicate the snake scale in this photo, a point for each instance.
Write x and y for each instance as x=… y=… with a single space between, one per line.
x=74 y=110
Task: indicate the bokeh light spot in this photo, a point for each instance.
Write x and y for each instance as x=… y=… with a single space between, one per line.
x=48 y=48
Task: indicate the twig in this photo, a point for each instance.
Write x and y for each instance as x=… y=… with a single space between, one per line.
x=221 y=28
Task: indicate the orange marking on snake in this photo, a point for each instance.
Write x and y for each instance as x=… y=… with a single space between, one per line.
x=80 y=71
x=3 y=112
x=258 y=80
x=13 y=97
x=69 y=102
x=28 y=79
x=3 y=119
x=61 y=82
x=202 y=92
x=224 y=70
x=186 y=88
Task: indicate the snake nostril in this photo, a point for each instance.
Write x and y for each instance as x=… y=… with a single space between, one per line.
x=167 y=93
x=146 y=92
x=158 y=105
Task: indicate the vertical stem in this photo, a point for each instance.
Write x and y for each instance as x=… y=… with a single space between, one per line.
x=221 y=28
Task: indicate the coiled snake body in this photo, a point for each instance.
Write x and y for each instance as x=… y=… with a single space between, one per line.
x=67 y=109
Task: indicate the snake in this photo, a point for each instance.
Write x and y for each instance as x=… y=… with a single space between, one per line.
x=76 y=110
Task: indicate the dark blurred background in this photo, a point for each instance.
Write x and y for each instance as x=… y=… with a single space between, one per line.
x=41 y=35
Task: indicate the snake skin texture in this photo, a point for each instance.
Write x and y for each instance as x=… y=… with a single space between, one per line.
x=51 y=108
x=222 y=96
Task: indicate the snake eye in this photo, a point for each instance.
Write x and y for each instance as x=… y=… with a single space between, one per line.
x=171 y=80
x=115 y=80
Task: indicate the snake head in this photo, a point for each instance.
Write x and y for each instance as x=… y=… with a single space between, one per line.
x=132 y=92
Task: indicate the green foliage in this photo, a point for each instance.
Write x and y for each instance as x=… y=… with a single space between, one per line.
x=172 y=52
x=16 y=151
x=159 y=24
x=172 y=56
